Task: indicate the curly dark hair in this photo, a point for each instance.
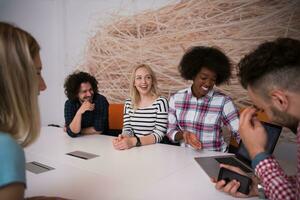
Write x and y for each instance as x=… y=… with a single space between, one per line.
x=272 y=63
x=209 y=57
x=73 y=82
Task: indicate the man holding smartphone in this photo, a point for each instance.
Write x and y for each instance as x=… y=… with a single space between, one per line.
x=271 y=75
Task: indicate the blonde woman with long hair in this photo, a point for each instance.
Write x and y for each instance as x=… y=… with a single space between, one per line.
x=20 y=83
x=145 y=112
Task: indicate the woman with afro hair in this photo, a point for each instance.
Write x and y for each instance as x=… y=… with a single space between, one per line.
x=198 y=113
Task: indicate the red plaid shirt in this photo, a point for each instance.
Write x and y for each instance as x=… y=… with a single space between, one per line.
x=204 y=117
x=277 y=184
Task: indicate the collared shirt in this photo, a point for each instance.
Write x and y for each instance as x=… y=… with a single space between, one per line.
x=204 y=116
x=277 y=185
x=151 y=120
x=98 y=118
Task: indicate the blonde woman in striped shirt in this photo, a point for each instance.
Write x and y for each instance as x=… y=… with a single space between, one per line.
x=145 y=113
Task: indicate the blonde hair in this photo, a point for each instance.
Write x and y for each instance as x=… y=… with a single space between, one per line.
x=134 y=94
x=19 y=113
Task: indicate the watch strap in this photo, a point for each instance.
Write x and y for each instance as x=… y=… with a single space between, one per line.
x=138 y=141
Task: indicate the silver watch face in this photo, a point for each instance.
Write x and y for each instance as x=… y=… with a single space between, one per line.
x=261 y=191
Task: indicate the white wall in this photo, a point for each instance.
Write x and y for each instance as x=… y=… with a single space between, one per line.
x=62 y=28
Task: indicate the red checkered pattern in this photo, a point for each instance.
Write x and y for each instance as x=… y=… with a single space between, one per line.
x=277 y=184
x=204 y=117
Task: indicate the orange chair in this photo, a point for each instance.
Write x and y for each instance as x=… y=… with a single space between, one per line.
x=115 y=119
x=262 y=116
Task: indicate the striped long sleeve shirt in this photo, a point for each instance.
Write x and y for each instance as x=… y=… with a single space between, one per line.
x=151 y=120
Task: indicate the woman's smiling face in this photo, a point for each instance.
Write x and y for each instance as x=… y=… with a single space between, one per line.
x=203 y=82
x=143 y=81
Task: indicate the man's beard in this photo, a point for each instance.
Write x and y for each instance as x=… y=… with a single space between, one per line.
x=284 y=119
x=90 y=99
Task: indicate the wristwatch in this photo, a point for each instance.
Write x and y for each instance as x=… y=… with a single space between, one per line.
x=261 y=191
x=138 y=141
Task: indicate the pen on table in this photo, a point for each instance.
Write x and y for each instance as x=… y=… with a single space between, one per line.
x=182 y=141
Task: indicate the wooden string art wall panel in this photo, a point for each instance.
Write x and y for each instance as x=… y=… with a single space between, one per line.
x=160 y=37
